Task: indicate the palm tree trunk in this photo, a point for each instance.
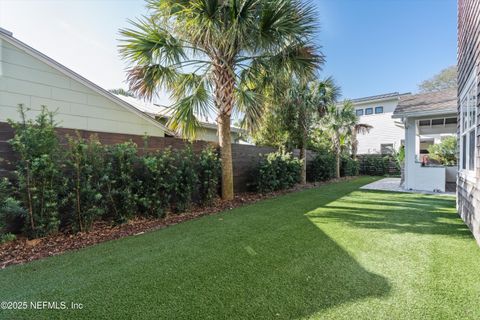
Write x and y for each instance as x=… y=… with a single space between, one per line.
x=225 y=140
x=303 y=158
x=224 y=99
x=354 y=145
x=337 y=167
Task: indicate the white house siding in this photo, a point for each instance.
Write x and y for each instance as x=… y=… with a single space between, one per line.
x=26 y=80
x=385 y=129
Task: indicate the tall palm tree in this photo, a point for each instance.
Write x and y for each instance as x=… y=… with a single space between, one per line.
x=211 y=54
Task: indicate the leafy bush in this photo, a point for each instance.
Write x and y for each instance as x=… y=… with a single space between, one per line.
x=118 y=183
x=155 y=183
x=186 y=179
x=349 y=167
x=375 y=164
x=38 y=171
x=208 y=169
x=84 y=171
x=322 y=167
x=444 y=152
x=11 y=213
x=278 y=171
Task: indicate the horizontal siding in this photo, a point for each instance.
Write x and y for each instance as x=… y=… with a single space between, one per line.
x=27 y=80
x=468 y=194
x=384 y=129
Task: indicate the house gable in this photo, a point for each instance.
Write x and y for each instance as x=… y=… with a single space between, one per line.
x=27 y=77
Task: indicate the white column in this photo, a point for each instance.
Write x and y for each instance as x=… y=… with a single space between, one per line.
x=410 y=151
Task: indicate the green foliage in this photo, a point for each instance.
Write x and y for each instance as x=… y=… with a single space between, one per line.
x=444 y=152
x=348 y=166
x=278 y=171
x=186 y=179
x=378 y=165
x=155 y=183
x=118 y=182
x=208 y=169
x=38 y=171
x=322 y=167
x=11 y=213
x=84 y=161
x=447 y=78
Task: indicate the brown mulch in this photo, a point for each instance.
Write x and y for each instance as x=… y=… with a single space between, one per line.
x=23 y=250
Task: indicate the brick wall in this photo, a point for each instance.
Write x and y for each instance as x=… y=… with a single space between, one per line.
x=245 y=157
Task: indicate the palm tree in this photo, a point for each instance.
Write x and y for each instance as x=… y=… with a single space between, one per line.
x=337 y=124
x=358 y=128
x=211 y=54
x=309 y=100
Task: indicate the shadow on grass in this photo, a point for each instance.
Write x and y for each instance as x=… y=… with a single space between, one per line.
x=397 y=212
x=264 y=261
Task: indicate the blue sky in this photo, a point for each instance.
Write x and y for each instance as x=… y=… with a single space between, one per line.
x=372 y=46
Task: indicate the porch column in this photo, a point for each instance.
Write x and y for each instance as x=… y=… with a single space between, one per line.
x=411 y=145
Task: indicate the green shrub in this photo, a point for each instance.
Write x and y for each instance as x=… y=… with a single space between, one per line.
x=378 y=165
x=322 y=167
x=7 y=237
x=155 y=183
x=12 y=215
x=118 y=183
x=278 y=171
x=444 y=152
x=186 y=179
x=349 y=167
x=84 y=170
x=38 y=171
x=208 y=169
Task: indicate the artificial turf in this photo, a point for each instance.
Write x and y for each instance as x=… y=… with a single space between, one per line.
x=333 y=252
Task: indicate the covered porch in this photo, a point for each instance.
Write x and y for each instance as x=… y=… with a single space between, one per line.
x=428 y=120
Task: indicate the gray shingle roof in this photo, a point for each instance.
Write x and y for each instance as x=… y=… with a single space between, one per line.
x=377 y=97
x=439 y=102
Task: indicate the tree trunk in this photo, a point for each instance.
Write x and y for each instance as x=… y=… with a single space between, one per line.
x=224 y=100
x=303 y=158
x=226 y=156
x=337 y=167
x=354 y=145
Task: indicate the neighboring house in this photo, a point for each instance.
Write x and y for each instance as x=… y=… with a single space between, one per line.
x=207 y=132
x=386 y=133
x=427 y=118
x=33 y=79
x=468 y=190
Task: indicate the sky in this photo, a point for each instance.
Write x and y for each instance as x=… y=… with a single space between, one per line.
x=371 y=46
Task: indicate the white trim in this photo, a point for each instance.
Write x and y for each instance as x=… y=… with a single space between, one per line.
x=468 y=174
x=71 y=74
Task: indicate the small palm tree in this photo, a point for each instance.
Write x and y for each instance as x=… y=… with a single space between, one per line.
x=358 y=128
x=212 y=54
x=337 y=124
x=308 y=102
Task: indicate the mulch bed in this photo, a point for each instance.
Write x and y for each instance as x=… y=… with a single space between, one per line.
x=23 y=250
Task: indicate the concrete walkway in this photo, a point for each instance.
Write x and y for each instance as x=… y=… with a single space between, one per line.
x=393 y=184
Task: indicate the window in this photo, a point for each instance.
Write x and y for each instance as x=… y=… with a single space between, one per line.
x=438 y=122
x=359 y=112
x=378 y=110
x=468 y=125
x=369 y=111
x=424 y=123
x=386 y=148
x=451 y=121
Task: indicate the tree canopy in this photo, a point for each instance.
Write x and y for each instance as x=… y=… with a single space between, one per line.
x=447 y=78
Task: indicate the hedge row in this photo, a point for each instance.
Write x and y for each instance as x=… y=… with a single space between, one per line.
x=68 y=188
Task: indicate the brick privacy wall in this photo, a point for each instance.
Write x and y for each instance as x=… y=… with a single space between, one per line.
x=468 y=193
x=245 y=157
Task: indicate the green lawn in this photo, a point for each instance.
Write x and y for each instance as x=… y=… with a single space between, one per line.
x=333 y=252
